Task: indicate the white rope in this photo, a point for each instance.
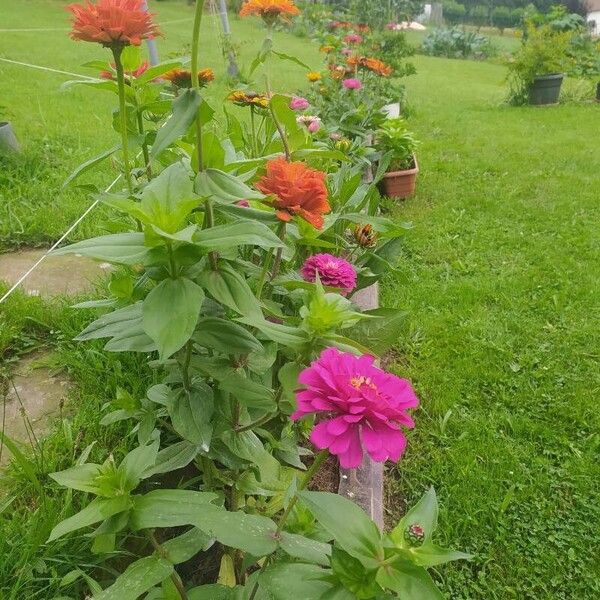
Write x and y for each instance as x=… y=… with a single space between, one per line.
x=49 y=69
x=58 y=242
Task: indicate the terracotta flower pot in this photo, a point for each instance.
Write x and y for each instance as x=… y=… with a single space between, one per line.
x=400 y=184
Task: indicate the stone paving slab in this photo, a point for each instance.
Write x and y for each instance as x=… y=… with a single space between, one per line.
x=36 y=398
x=56 y=275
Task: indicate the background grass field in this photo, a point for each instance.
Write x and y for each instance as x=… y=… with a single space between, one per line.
x=500 y=276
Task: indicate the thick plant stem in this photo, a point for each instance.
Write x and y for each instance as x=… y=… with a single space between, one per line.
x=317 y=463
x=117 y=51
x=174 y=577
x=195 y=80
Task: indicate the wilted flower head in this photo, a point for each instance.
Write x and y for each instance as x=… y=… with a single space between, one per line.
x=298 y=190
x=352 y=84
x=249 y=99
x=365 y=236
x=299 y=103
x=311 y=122
x=332 y=271
x=113 y=23
x=353 y=38
x=128 y=74
x=359 y=407
x=269 y=10
x=372 y=64
x=363 y=28
x=181 y=78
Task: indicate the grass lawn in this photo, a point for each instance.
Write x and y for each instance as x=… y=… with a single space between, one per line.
x=501 y=277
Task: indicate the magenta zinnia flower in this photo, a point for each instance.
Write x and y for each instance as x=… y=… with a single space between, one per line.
x=361 y=407
x=352 y=84
x=299 y=103
x=333 y=271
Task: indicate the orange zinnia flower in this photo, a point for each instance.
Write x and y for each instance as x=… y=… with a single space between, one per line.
x=269 y=10
x=114 y=23
x=181 y=78
x=298 y=190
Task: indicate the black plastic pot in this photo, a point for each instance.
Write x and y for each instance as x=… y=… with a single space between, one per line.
x=545 y=89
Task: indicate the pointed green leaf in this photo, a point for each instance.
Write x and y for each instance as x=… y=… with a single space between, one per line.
x=409 y=581
x=118 y=248
x=242 y=233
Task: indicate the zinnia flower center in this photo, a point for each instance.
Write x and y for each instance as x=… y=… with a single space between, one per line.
x=359 y=381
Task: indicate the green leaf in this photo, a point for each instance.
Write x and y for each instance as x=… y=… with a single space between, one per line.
x=383 y=225
x=232 y=235
x=382 y=333
x=118 y=248
x=230 y=288
x=247 y=213
x=155 y=71
x=349 y=525
x=302 y=582
x=227 y=572
x=169 y=198
x=97 y=510
x=191 y=413
x=170 y=508
x=29 y=467
x=424 y=514
x=136 y=462
x=353 y=575
x=187 y=545
x=409 y=581
x=90 y=164
x=212 y=591
x=225 y=337
x=304 y=548
x=291 y=58
x=170 y=313
x=138 y=578
x=248 y=446
x=283 y=334
x=250 y=393
x=185 y=111
x=173 y=457
x=250 y=533
x=112 y=323
x=345 y=344
x=431 y=555
x=262 y=55
x=224 y=187
x=82 y=478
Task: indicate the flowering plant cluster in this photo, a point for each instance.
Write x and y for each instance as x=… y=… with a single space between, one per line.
x=235 y=274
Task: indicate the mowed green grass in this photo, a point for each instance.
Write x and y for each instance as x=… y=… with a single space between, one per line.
x=500 y=277
x=60 y=129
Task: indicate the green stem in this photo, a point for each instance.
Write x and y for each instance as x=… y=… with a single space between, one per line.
x=277 y=264
x=209 y=221
x=145 y=152
x=256 y=423
x=284 y=140
x=163 y=554
x=254 y=140
x=185 y=370
x=317 y=463
x=195 y=80
x=117 y=51
x=263 y=273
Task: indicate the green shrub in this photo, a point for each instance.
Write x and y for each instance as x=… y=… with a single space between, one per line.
x=454 y=12
x=457 y=43
x=480 y=15
x=502 y=17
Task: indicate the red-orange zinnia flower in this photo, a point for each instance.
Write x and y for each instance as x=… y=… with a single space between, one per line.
x=373 y=64
x=114 y=23
x=298 y=190
x=269 y=10
x=181 y=78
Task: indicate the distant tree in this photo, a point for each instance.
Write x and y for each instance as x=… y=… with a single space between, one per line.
x=454 y=12
x=480 y=15
x=501 y=17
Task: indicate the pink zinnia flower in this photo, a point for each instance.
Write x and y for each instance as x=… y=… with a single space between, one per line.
x=362 y=407
x=353 y=38
x=352 y=84
x=312 y=123
x=347 y=51
x=299 y=103
x=333 y=271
